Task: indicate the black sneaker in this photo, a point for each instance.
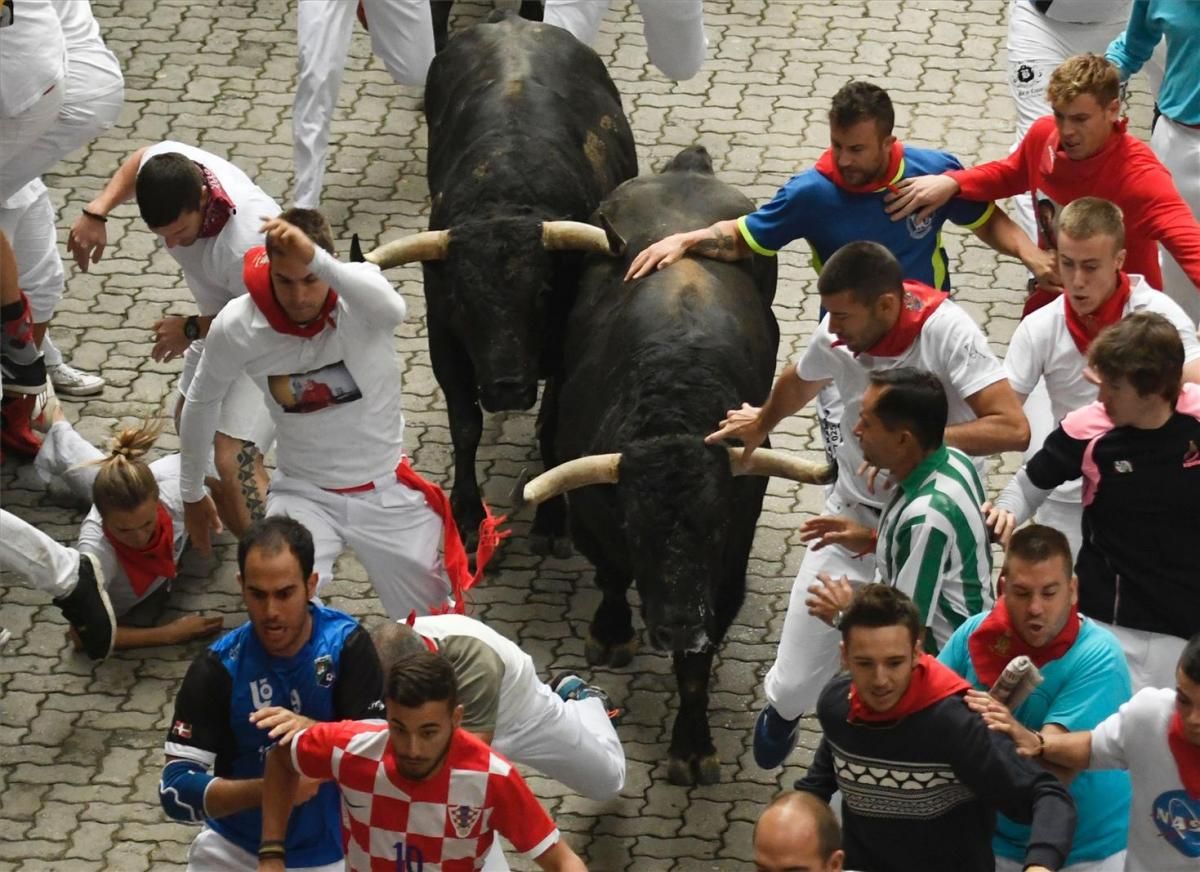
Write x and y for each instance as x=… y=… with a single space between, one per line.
x=570 y=686
x=89 y=611
x=23 y=378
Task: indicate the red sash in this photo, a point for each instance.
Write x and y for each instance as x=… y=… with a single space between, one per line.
x=146 y=565
x=453 y=553
x=827 y=167
x=1085 y=328
x=256 y=272
x=219 y=208
x=995 y=642
x=1187 y=756
x=916 y=305
x=931 y=683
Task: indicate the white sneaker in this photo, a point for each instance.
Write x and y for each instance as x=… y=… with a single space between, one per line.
x=71 y=382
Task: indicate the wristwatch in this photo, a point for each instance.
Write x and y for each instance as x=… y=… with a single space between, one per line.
x=836 y=620
x=191 y=328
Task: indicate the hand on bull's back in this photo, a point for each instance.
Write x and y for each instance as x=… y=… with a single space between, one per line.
x=661 y=254
x=744 y=424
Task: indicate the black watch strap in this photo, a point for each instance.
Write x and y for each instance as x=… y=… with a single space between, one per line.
x=191 y=328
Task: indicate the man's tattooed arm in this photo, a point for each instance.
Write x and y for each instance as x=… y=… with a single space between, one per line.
x=724 y=242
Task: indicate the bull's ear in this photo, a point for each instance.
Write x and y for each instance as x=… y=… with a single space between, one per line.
x=616 y=245
x=356 y=252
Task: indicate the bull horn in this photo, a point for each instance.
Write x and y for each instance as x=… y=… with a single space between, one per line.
x=578 y=236
x=580 y=472
x=766 y=461
x=428 y=245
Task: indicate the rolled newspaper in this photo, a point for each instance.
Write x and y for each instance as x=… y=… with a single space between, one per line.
x=1019 y=679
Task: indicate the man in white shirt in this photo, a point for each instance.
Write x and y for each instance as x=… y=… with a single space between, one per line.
x=875 y=321
x=1156 y=737
x=1052 y=342
x=208 y=213
x=564 y=730
x=315 y=336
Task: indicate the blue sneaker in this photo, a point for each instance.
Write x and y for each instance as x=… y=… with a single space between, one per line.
x=774 y=738
x=569 y=686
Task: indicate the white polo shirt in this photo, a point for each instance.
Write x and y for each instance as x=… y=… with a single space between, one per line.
x=950 y=345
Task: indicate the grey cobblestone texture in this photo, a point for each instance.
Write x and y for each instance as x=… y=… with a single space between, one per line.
x=80 y=747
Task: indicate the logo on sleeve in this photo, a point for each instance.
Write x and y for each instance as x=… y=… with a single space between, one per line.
x=181 y=729
x=1122 y=466
x=1177 y=817
x=323 y=667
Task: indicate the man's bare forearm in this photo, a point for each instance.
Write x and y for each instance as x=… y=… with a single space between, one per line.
x=722 y=241
x=227 y=796
x=120 y=187
x=789 y=395
x=279 y=790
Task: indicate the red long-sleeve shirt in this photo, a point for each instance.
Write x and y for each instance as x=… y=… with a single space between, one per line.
x=1124 y=171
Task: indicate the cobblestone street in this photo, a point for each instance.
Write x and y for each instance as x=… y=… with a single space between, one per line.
x=81 y=746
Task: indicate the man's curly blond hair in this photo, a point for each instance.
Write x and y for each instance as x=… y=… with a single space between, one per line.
x=1084 y=74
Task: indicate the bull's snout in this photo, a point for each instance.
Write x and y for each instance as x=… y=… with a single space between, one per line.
x=508 y=395
x=679 y=637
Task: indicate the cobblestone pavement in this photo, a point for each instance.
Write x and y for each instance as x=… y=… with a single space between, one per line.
x=80 y=747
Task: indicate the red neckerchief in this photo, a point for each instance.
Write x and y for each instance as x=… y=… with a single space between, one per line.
x=827 y=167
x=256 y=272
x=219 y=208
x=995 y=642
x=1085 y=328
x=918 y=302
x=454 y=555
x=1187 y=756
x=931 y=683
x=157 y=560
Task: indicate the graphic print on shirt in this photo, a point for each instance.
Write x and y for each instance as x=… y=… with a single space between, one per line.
x=1177 y=817
x=1191 y=457
x=314 y=390
x=918 y=228
x=1047 y=219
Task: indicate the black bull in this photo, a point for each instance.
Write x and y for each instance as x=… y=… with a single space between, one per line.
x=526 y=136
x=649 y=369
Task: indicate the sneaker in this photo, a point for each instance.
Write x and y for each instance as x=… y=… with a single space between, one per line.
x=774 y=738
x=46 y=410
x=89 y=611
x=569 y=686
x=71 y=382
x=23 y=378
x=16 y=434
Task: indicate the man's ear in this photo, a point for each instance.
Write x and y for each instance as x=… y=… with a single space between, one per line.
x=457 y=716
x=311 y=586
x=1120 y=259
x=919 y=645
x=1000 y=586
x=1074 y=585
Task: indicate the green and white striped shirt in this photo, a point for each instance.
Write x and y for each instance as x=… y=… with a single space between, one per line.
x=934 y=545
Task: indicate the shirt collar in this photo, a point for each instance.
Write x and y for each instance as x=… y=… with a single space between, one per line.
x=924 y=469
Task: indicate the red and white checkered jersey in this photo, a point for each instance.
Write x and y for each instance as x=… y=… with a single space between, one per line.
x=443 y=824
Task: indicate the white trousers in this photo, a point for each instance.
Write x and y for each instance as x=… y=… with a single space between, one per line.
x=808 y=647
x=19 y=133
x=30 y=229
x=573 y=742
x=401 y=35
x=1111 y=863
x=45 y=564
x=1036 y=45
x=1152 y=657
x=392 y=530
x=82 y=117
x=1063 y=510
x=1178 y=147
x=210 y=852
x=674 y=30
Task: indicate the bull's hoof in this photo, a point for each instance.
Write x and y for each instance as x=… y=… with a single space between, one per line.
x=679 y=772
x=708 y=770
x=545 y=545
x=599 y=654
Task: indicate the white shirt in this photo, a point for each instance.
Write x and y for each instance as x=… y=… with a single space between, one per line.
x=33 y=56
x=351 y=435
x=950 y=345
x=213 y=267
x=92 y=69
x=1163 y=820
x=520 y=675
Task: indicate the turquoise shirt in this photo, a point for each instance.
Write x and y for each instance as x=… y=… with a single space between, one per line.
x=1179 y=22
x=1081 y=689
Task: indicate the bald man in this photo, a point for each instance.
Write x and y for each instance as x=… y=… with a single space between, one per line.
x=798 y=833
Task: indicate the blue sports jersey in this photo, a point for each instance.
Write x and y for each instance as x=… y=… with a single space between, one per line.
x=335 y=676
x=1080 y=689
x=814 y=208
